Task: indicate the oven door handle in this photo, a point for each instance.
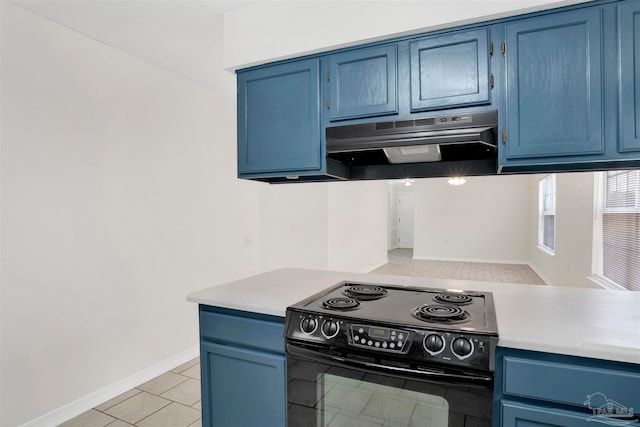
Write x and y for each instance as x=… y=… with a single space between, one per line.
x=425 y=374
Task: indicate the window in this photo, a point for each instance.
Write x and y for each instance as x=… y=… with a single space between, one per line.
x=547 y=214
x=618 y=229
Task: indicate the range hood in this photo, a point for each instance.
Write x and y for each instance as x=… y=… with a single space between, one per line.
x=464 y=144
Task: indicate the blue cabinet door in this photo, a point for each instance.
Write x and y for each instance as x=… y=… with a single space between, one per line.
x=629 y=27
x=279 y=120
x=554 y=85
x=450 y=70
x=363 y=83
x=515 y=414
x=242 y=387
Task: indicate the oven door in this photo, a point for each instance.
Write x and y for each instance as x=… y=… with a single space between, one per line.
x=333 y=391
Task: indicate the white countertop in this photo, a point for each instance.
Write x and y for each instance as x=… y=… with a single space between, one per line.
x=595 y=323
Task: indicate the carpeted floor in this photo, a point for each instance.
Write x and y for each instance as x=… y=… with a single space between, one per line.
x=401 y=263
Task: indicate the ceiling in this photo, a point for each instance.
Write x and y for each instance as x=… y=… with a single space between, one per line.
x=180 y=36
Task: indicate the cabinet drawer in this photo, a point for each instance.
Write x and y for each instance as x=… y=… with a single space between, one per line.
x=519 y=415
x=569 y=384
x=245 y=331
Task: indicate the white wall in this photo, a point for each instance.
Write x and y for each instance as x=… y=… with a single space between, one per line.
x=336 y=226
x=294 y=224
x=264 y=31
x=571 y=264
x=118 y=198
x=485 y=219
x=357 y=225
x=1 y=228
x=495 y=219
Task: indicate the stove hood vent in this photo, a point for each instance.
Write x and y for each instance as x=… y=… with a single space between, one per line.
x=467 y=138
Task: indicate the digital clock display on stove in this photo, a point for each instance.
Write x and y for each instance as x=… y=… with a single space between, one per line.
x=379 y=332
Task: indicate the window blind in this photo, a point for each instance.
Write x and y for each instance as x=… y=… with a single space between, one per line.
x=620 y=228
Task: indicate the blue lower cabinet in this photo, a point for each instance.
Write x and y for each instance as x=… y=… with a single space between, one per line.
x=245 y=388
x=543 y=389
x=243 y=369
x=522 y=415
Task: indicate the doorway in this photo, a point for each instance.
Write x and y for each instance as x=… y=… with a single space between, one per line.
x=405 y=220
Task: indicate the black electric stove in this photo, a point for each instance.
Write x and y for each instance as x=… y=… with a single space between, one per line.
x=405 y=326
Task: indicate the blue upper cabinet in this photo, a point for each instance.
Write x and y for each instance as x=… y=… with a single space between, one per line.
x=279 y=120
x=554 y=85
x=629 y=24
x=450 y=70
x=566 y=85
x=363 y=83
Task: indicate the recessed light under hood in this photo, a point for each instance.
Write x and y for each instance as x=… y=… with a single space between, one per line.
x=413 y=154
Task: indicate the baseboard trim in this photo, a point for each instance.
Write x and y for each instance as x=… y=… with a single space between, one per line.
x=539 y=273
x=77 y=407
x=373 y=267
x=483 y=260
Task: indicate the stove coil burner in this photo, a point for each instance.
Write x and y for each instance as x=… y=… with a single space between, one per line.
x=365 y=292
x=458 y=299
x=441 y=313
x=341 y=304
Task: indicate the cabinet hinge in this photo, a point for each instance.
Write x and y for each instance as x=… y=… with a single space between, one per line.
x=503 y=48
x=504 y=135
x=491 y=80
x=490 y=48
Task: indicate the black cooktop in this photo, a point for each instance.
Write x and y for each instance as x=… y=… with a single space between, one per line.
x=443 y=309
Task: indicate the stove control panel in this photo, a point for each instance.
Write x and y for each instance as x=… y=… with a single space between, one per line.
x=319 y=329
x=422 y=346
x=458 y=348
x=379 y=338
x=328 y=328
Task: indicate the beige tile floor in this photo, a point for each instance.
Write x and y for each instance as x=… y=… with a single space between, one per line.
x=401 y=263
x=169 y=400
x=173 y=398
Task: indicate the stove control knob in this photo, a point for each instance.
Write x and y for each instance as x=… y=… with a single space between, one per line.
x=308 y=325
x=330 y=328
x=434 y=344
x=461 y=348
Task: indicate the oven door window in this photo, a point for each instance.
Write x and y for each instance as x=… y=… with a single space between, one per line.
x=331 y=396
